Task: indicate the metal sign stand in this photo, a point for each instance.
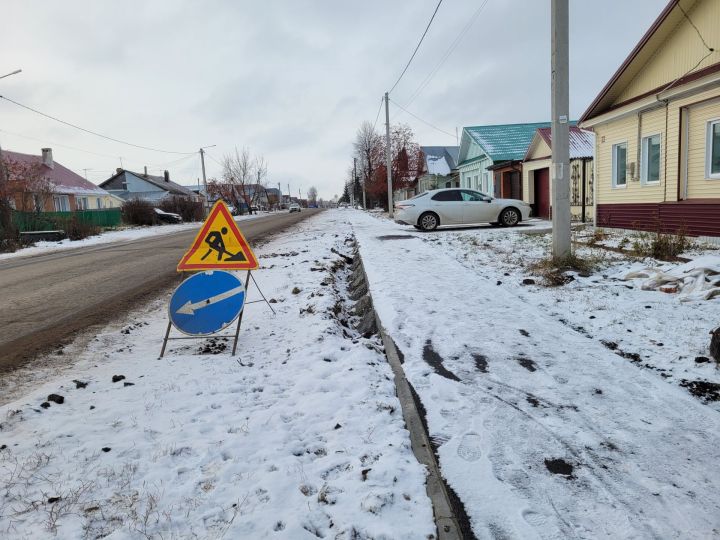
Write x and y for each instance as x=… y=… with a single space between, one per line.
x=223 y=336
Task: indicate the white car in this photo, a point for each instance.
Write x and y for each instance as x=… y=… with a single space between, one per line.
x=459 y=206
x=294 y=207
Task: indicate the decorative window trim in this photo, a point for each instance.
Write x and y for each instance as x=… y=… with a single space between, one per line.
x=615 y=185
x=644 y=160
x=708 y=150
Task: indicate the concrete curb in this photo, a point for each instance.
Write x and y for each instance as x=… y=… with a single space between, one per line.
x=447 y=524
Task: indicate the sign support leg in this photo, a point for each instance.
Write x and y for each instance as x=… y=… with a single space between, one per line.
x=261 y=294
x=240 y=317
x=165 y=340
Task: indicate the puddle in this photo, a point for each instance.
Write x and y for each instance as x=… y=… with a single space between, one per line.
x=435 y=361
x=395 y=237
x=559 y=466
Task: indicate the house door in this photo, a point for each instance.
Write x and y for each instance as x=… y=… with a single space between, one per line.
x=515 y=186
x=541 y=206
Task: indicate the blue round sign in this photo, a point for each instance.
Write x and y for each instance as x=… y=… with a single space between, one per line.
x=207 y=302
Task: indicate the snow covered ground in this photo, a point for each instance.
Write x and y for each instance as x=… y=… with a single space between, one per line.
x=121 y=235
x=300 y=436
x=557 y=412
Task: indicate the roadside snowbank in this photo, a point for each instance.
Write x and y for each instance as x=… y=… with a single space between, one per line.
x=300 y=436
x=107 y=237
x=541 y=429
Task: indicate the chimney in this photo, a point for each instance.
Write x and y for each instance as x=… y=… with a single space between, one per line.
x=47 y=158
x=118 y=170
x=145 y=173
x=167 y=176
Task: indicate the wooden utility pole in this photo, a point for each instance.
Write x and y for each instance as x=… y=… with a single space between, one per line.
x=387 y=155
x=560 y=170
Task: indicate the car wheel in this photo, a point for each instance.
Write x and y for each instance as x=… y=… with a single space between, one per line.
x=509 y=217
x=428 y=221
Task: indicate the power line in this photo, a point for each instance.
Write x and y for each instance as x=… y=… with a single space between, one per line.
x=708 y=47
x=423 y=121
x=92 y=132
x=56 y=144
x=447 y=54
x=378 y=113
x=418 y=46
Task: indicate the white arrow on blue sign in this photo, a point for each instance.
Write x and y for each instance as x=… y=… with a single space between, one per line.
x=207 y=302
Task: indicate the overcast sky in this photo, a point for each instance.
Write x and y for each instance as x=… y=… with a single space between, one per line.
x=291 y=80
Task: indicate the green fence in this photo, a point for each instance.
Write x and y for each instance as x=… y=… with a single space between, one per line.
x=44 y=221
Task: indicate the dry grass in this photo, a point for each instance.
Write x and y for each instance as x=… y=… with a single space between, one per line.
x=554 y=271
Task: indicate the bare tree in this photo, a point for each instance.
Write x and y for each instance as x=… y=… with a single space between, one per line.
x=237 y=180
x=312 y=195
x=27 y=186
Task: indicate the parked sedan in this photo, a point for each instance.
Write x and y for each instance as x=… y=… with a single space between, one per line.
x=458 y=206
x=294 y=207
x=167 y=217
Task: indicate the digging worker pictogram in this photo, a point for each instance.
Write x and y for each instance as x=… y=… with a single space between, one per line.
x=215 y=242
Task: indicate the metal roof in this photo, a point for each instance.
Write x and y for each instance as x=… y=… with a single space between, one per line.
x=440 y=159
x=63 y=179
x=158 y=181
x=581 y=142
x=504 y=142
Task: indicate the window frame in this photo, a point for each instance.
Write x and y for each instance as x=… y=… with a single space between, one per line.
x=709 y=175
x=459 y=199
x=644 y=161
x=615 y=185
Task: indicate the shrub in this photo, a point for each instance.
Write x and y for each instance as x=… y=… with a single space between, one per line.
x=660 y=245
x=77 y=229
x=188 y=210
x=138 y=212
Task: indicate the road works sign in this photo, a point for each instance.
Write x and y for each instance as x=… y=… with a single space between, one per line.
x=219 y=245
x=206 y=303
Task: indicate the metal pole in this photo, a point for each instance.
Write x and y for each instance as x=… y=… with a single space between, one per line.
x=240 y=317
x=279 y=203
x=560 y=130
x=202 y=162
x=387 y=155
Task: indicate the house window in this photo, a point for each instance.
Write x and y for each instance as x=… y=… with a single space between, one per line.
x=61 y=203
x=712 y=150
x=99 y=203
x=619 y=165
x=485 y=183
x=81 y=203
x=650 y=164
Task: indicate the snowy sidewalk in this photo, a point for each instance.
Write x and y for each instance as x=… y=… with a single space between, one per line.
x=302 y=439
x=541 y=431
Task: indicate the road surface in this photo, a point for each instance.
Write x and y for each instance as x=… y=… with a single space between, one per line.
x=46 y=298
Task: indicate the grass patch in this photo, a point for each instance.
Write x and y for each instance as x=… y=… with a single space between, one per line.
x=555 y=271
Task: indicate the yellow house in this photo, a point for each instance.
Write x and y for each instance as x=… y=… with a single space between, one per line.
x=657 y=127
x=536 y=182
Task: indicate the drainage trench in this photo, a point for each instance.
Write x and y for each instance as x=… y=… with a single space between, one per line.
x=451 y=519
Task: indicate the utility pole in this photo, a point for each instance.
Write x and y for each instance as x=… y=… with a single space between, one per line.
x=387 y=155
x=202 y=161
x=560 y=170
x=354 y=177
x=279 y=204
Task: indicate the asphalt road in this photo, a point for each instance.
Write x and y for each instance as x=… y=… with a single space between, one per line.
x=45 y=299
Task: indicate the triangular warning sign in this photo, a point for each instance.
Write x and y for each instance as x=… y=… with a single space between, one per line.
x=219 y=245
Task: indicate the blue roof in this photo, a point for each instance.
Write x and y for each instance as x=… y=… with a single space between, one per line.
x=505 y=142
